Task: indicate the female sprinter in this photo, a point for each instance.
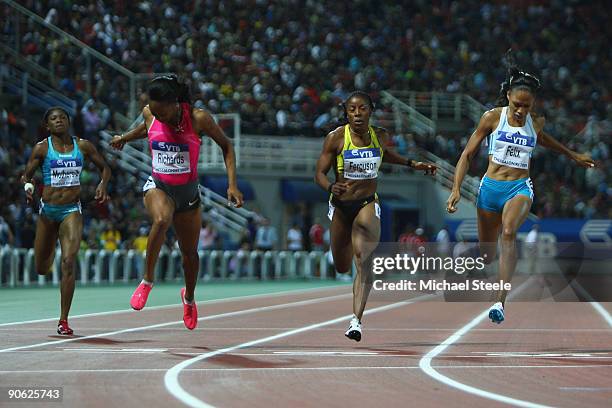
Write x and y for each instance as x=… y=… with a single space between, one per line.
x=506 y=191
x=356 y=151
x=61 y=158
x=171 y=194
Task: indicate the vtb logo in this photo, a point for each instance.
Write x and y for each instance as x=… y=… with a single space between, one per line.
x=515 y=138
x=362 y=153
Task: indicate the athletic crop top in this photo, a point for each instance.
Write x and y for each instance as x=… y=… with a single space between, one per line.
x=62 y=169
x=175 y=152
x=359 y=163
x=510 y=145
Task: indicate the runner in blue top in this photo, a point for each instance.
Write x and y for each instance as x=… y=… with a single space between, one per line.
x=506 y=190
x=61 y=158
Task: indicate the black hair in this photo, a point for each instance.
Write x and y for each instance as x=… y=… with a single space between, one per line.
x=169 y=88
x=516 y=79
x=359 y=94
x=54 y=108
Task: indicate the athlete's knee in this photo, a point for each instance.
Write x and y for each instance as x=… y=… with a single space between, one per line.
x=162 y=222
x=68 y=263
x=359 y=256
x=508 y=234
x=190 y=256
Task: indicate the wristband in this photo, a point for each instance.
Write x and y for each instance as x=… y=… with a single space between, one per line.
x=28 y=187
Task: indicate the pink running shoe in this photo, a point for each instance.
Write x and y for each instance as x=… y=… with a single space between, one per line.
x=140 y=296
x=63 y=328
x=190 y=312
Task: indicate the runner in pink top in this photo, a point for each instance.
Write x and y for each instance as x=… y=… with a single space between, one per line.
x=175 y=151
x=171 y=194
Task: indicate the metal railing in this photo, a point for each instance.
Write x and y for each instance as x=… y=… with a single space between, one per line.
x=445 y=175
x=32 y=91
x=407 y=118
x=439 y=105
x=18 y=16
x=100 y=266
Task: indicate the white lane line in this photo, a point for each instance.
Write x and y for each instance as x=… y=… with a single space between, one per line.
x=155 y=326
x=327 y=368
x=205 y=302
x=589 y=389
x=425 y=365
x=603 y=312
x=171 y=379
x=598 y=307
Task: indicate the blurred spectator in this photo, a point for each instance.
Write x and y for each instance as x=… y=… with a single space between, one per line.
x=294 y=238
x=6 y=235
x=316 y=236
x=110 y=237
x=266 y=237
x=463 y=249
x=443 y=242
x=208 y=236
x=140 y=242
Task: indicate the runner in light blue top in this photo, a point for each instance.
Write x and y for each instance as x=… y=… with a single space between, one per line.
x=506 y=191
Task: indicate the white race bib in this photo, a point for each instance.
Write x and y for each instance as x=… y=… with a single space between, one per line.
x=170 y=158
x=65 y=172
x=513 y=149
x=360 y=164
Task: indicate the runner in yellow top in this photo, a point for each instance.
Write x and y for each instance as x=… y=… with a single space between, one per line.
x=355 y=151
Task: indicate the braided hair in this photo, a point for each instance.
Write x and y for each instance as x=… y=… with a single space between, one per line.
x=516 y=79
x=169 y=88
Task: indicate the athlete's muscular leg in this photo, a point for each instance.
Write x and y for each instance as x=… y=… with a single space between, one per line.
x=514 y=214
x=161 y=209
x=70 y=233
x=44 y=244
x=365 y=237
x=489 y=224
x=340 y=242
x=187 y=227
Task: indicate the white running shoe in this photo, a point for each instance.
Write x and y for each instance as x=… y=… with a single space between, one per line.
x=354 y=329
x=496 y=313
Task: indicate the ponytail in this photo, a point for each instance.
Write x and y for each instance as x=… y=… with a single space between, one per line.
x=516 y=79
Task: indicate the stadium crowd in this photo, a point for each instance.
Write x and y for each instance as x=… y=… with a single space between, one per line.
x=285 y=66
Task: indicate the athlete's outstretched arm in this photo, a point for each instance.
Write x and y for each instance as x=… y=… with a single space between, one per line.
x=139 y=132
x=91 y=153
x=392 y=157
x=324 y=164
x=205 y=123
x=484 y=128
x=547 y=141
x=36 y=158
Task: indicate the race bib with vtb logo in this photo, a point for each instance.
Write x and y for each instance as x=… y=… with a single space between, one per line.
x=361 y=164
x=170 y=158
x=65 y=172
x=513 y=149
